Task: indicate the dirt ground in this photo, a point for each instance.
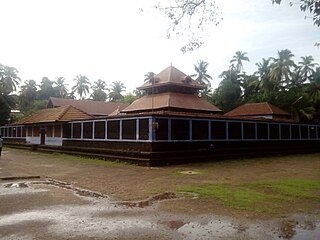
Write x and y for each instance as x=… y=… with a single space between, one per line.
x=48 y=196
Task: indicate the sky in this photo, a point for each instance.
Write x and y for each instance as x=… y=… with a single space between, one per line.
x=117 y=41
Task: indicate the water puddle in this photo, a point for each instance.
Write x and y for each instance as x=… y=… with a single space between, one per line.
x=69 y=186
x=16 y=185
x=100 y=217
x=190 y=172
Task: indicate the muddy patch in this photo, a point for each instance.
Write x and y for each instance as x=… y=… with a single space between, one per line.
x=150 y=201
x=70 y=186
x=99 y=217
x=173 y=224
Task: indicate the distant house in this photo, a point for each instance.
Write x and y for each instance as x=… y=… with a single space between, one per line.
x=259 y=110
x=94 y=108
x=48 y=126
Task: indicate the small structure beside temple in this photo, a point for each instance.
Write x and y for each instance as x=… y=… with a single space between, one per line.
x=94 y=108
x=259 y=110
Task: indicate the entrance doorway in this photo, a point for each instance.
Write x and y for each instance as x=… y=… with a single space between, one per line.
x=42 y=136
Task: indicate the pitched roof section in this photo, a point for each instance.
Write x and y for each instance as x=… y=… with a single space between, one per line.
x=59 y=114
x=96 y=108
x=257 y=109
x=171 y=100
x=172 y=76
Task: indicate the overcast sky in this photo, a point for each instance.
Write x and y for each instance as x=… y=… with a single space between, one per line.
x=115 y=41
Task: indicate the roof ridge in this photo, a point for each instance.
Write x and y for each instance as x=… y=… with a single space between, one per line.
x=170 y=73
x=64 y=111
x=268 y=104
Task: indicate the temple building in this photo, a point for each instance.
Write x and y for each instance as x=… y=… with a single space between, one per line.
x=169 y=124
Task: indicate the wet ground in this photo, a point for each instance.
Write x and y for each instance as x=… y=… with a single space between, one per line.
x=49 y=209
x=38 y=207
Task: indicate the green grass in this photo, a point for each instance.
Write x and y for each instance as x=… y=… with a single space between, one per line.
x=266 y=196
x=290 y=188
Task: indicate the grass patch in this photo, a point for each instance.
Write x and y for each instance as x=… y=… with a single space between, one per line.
x=267 y=196
x=290 y=188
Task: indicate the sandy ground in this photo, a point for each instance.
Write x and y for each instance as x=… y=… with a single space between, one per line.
x=80 y=200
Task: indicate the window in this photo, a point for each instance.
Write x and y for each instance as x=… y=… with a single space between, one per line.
x=87 y=130
x=234 y=130
x=304 y=132
x=218 y=130
x=179 y=129
x=113 y=129
x=274 y=131
x=66 y=130
x=313 y=132
x=14 y=132
x=18 y=131
x=49 y=131
x=29 y=131
x=57 y=130
x=249 y=131
x=285 y=131
x=76 y=130
x=162 y=131
x=23 y=131
x=144 y=129
x=99 y=129
x=200 y=130
x=36 y=131
x=295 y=132
x=129 y=129
x=262 y=131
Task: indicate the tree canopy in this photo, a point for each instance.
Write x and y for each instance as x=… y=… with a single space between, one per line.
x=193 y=18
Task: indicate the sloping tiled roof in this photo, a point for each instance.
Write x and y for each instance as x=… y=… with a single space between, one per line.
x=172 y=76
x=96 y=108
x=171 y=100
x=257 y=109
x=59 y=114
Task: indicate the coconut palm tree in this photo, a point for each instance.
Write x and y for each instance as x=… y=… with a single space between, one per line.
x=61 y=88
x=82 y=85
x=8 y=79
x=116 y=89
x=201 y=73
x=281 y=68
x=306 y=68
x=228 y=93
x=265 y=84
x=149 y=77
x=237 y=59
x=313 y=88
x=99 y=93
x=28 y=93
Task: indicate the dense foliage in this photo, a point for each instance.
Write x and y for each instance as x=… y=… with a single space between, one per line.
x=294 y=87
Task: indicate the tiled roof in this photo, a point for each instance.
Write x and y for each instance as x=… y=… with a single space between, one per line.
x=257 y=109
x=172 y=76
x=171 y=100
x=96 y=108
x=59 y=114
